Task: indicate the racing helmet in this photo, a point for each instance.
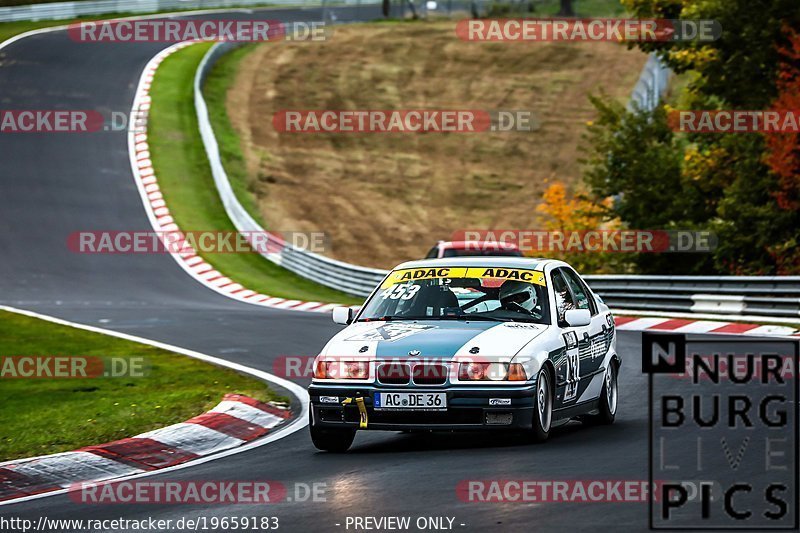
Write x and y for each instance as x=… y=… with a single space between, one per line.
x=515 y=293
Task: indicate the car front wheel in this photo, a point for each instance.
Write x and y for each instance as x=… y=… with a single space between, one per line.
x=543 y=412
x=332 y=440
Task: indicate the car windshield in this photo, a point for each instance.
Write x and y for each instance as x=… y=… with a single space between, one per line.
x=474 y=293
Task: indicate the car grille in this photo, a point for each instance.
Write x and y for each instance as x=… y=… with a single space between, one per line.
x=394 y=373
x=429 y=374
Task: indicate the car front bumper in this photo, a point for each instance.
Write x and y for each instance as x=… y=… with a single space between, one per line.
x=467 y=408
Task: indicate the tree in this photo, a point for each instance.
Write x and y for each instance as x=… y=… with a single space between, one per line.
x=744 y=186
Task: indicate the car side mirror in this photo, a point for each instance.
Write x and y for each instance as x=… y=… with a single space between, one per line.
x=342 y=315
x=578 y=317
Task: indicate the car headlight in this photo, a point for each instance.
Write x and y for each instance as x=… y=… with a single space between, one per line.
x=341 y=369
x=491 y=372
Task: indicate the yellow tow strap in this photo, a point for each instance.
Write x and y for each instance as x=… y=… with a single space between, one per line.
x=362 y=410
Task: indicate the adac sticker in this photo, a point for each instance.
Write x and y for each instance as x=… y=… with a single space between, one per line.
x=413 y=274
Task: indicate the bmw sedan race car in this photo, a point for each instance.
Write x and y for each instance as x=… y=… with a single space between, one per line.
x=466 y=344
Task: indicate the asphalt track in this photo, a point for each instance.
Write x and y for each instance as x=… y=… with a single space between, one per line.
x=54 y=184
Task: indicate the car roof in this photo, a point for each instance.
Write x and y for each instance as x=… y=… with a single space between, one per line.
x=531 y=263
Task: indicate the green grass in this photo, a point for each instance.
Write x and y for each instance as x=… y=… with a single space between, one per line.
x=215 y=91
x=185 y=179
x=43 y=416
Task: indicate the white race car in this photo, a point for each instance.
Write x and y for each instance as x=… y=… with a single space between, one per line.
x=468 y=343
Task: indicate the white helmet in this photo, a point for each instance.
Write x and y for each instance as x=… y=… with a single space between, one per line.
x=515 y=293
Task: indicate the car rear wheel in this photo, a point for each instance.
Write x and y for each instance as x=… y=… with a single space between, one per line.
x=609 y=397
x=543 y=412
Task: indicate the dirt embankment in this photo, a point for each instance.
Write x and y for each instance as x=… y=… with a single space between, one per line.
x=385 y=198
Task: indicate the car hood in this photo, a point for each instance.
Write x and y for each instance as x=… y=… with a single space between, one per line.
x=433 y=339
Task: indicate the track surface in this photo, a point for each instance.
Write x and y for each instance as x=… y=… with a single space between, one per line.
x=52 y=185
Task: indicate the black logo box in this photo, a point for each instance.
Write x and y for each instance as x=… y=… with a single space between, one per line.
x=676 y=346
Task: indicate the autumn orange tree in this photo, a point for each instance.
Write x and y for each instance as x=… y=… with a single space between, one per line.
x=783 y=152
x=563 y=212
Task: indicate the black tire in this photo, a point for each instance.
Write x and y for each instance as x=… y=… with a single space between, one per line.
x=542 y=408
x=609 y=397
x=332 y=440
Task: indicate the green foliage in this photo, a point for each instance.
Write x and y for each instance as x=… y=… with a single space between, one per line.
x=636 y=159
x=719 y=182
x=740 y=67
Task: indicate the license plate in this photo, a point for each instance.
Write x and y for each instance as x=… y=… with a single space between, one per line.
x=420 y=401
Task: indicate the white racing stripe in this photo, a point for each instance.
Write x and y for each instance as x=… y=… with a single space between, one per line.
x=248 y=413
x=62 y=469
x=193 y=438
x=641 y=324
x=701 y=326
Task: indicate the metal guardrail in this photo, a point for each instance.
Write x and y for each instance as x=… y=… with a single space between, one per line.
x=346 y=277
x=651 y=86
x=768 y=296
x=352 y=279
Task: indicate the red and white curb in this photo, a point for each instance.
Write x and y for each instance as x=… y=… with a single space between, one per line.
x=682 y=325
x=234 y=422
x=162 y=220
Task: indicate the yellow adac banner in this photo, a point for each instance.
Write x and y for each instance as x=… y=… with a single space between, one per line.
x=413 y=274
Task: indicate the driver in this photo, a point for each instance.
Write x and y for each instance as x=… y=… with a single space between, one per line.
x=518 y=296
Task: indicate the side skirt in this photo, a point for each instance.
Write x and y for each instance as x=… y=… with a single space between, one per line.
x=567 y=413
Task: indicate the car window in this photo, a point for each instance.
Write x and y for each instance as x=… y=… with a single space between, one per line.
x=564 y=300
x=577 y=290
x=433 y=253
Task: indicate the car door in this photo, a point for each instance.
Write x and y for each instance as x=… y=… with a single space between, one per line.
x=568 y=367
x=592 y=341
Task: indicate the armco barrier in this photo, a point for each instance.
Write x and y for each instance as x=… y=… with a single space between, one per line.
x=768 y=296
x=352 y=279
x=67 y=10
x=650 y=87
x=709 y=295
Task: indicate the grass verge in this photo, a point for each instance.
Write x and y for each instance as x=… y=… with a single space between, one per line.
x=48 y=415
x=184 y=177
